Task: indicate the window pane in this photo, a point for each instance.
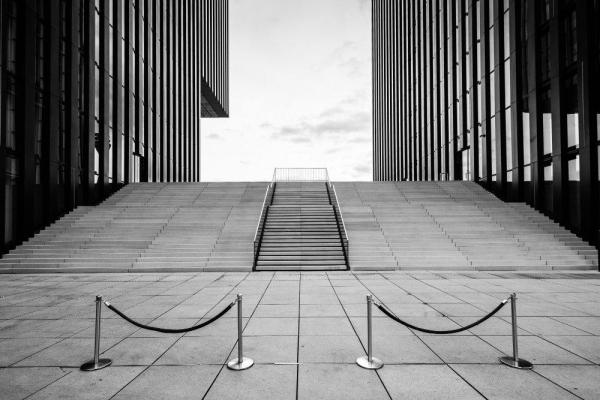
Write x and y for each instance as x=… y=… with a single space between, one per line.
x=507 y=80
x=509 y=163
x=526 y=140
x=493 y=144
x=573 y=130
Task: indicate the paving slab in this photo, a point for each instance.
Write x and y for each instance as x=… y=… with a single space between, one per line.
x=305 y=349
x=330 y=349
x=501 y=382
x=579 y=380
x=271 y=326
x=589 y=325
x=258 y=382
x=171 y=382
x=462 y=349
x=326 y=326
x=190 y=350
x=102 y=384
x=425 y=382
x=270 y=349
x=15 y=350
x=19 y=383
x=139 y=351
x=585 y=347
x=338 y=381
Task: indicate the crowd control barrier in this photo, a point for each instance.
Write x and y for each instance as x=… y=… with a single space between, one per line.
x=370 y=362
x=97 y=363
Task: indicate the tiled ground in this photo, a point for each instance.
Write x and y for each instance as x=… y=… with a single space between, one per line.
x=304 y=332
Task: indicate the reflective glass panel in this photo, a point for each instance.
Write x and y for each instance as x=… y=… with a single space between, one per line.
x=573 y=130
x=509 y=160
x=526 y=140
x=547 y=127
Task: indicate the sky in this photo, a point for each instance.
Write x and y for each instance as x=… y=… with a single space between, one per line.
x=300 y=92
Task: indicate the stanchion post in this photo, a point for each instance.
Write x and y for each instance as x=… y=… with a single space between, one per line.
x=97 y=363
x=368 y=361
x=241 y=362
x=515 y=361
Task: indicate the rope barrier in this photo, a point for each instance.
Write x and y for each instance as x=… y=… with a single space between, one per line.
x=464 y=328
x=164 y=330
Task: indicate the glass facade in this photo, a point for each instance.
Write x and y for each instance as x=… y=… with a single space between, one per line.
x=95 y=95
x=512 y=78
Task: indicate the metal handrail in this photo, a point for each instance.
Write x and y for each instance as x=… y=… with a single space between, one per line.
x=336 y=209
x=260 y=225
x=261 y=213
x=340 y=210
x=300 y=175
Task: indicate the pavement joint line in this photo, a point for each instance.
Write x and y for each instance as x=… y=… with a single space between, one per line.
x=358 y=336
x=298 y=337
x=554 y=383
x=233 y=348
x=466 y=381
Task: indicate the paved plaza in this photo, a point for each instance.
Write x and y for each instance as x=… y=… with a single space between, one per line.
x=304 y=332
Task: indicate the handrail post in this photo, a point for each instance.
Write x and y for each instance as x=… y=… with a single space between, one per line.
x=368 y=361
x=515 y=361
x=240 y=363
x=97 y=363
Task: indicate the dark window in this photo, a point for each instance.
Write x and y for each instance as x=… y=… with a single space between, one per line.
x=40 y=92
x=524 y=57
x=545 y=11
x=545 y=56
x=570 y=38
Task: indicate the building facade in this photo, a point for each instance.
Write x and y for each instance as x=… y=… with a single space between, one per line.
x=95 y=94
x=505 y=93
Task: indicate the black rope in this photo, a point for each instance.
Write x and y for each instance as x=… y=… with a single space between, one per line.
x=164 y=330
x=464 y=328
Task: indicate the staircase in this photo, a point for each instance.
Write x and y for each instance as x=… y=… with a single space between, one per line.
x=301 y=230
x=195 y=227
x=453 y=226
x=152 y=228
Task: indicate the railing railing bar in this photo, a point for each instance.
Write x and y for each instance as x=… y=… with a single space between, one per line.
x=344 y=239
x=301 y=175
x=261 y=213
x=260 y=227
x=340 y=210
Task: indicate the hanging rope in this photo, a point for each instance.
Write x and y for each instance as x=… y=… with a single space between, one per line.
x=165 y=330
x=445 y=332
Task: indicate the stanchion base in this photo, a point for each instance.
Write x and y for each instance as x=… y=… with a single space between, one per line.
x=92 y=366
x=364 y=362
x=239 y=366
x=519 y=364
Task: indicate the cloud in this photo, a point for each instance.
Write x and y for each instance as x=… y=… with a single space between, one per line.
x=361 y=139
x=362 y=169
x=346 y=123
x=330 y=112
x=301 y=139
x=214 y=136
x=290 y=130
x=354 y=66
x=362 y=4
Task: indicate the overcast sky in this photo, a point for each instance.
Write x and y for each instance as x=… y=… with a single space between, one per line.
x=300 y=91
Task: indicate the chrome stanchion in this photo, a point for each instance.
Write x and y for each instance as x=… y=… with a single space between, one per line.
x=368 y=361
x=515 y=361
x=97 y=362
x=241 y=362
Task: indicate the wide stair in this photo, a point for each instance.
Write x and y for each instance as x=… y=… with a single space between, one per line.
x=453 y=226
x=150 y=227
x=301 y=229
